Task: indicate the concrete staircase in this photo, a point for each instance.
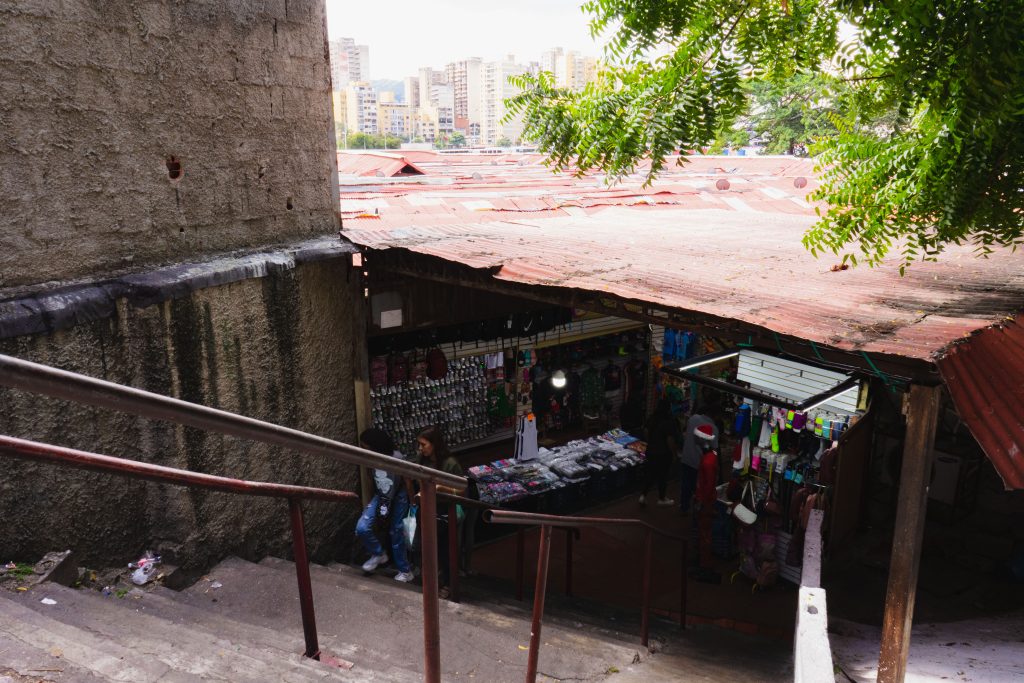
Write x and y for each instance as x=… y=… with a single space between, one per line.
x=241 y=623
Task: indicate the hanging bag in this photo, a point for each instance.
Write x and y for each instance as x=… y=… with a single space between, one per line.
x=409 y=526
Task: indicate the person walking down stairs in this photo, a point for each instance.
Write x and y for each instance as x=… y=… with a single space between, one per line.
x=390 y=503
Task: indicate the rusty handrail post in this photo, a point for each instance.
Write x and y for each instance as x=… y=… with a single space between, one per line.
x=453 y=551
x=302 y=574
x=431 y=620
x=538 y=602
x=569 y=533
x=683 y=585
x=645 y=616
x=520 y=561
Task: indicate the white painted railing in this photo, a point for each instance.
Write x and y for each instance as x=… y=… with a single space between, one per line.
x=812 y=654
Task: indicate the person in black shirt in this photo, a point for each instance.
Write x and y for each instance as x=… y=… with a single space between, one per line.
x=662 y=441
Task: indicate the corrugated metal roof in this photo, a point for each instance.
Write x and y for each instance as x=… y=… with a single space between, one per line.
x=729 y=263
x=375 y=164
x=727 y=250
x=985 y=376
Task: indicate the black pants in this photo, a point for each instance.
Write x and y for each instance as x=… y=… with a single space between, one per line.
x=656 y=472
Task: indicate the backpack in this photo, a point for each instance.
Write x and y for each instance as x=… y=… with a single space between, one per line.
x=437 y=364
x=378 y=371
x=398 y=368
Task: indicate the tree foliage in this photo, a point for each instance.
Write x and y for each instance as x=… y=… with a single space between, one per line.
x=923 y=140
x=369 y=141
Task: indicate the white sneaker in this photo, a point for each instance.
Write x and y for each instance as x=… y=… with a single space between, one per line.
x=404 y=577
x=643 y=500
x=374 y=562
x=666 y=501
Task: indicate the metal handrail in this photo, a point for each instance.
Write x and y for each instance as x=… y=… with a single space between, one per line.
x=515 y=517
x=48 y=381
x=546 y=524
x=33 y=450
x=42 y=379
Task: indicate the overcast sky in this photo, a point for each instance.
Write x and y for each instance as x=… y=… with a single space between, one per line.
x=404 y=35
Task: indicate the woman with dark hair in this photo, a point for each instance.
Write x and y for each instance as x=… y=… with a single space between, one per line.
x=390 y=502
x=435 y=453
x=662 y=438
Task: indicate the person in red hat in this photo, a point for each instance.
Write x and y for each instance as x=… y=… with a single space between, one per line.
x=707 y=494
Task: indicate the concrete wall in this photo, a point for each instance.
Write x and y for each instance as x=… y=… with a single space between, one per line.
x=279 y=348
x=97 y=98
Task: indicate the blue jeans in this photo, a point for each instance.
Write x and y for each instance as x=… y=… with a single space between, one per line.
x=364 y=529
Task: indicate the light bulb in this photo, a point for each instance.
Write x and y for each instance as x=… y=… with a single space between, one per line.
x=558 y=379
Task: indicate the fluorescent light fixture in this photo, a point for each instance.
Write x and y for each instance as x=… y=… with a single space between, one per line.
x=558 y=379
x=704 y=360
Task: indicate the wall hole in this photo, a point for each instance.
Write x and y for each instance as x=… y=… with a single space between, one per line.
x=173 y=168
x=288 y=204
x=811 y=609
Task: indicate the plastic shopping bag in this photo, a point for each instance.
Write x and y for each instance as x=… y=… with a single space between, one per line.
x=409 y=526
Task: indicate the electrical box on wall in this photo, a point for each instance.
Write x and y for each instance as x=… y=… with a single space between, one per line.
x=386 y=310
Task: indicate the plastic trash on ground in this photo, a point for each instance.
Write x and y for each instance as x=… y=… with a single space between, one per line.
x=144 y=568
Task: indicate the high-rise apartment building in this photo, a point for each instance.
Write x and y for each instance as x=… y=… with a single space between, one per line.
x=429 y=77
x=361 y=103
x=552 y=61
x=494 y=90
x=464 y=77
x=412 y=91
x=394 y=118
x=349 y=62
x=575 y=71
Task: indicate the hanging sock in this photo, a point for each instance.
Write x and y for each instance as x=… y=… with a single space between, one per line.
x=775 y=440
x=765 y=439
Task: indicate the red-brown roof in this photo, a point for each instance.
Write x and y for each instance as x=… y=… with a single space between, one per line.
x=985 y=376
x=375 y=164
x=719 y=237
x=685 y=244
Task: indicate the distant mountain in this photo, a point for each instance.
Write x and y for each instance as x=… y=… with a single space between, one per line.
x=387 y=85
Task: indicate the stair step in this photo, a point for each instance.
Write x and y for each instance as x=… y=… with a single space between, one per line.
x=267 y=597
x=31 y=663
x=615 y=623
x=491 y=641
x=136 y=625
x=83 y=648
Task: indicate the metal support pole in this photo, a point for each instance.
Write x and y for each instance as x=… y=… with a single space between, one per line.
x=431 y=620
x=538 y=602
x=520 y=561
x=302 y=574
x=569 y=533
x=922 y=417
x=646 y=613
x=453 y=552
x=683 y=585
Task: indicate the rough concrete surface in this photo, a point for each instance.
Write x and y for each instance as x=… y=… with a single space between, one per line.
x=103 y=103
x=985 y=649
x=278 y=348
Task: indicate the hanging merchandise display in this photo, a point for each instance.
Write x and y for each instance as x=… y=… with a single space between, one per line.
x=457 y=403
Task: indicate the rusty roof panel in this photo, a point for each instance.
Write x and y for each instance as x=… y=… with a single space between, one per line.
x=985 y=376
x=684 y=243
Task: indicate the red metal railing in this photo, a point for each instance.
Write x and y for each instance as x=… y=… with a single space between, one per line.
x=42 y=379
x=32 y=450
x=546 y=524
x=454 y=546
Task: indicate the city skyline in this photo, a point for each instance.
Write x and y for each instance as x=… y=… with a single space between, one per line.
x=449 y=31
